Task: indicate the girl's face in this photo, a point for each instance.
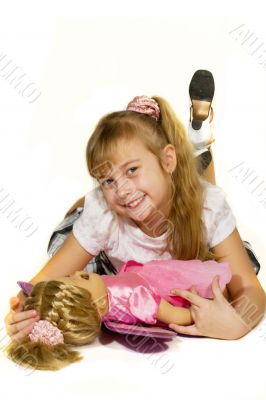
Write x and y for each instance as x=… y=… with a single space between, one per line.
x=136 y=187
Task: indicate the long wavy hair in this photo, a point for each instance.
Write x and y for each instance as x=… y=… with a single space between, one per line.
x=69 y=308
x=186 y=233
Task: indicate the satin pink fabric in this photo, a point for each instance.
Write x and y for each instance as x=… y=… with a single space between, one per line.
x=131 y=299
x=136 y=291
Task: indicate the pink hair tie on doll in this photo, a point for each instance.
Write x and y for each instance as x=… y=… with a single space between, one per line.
x=45 y=332
x=145 y=105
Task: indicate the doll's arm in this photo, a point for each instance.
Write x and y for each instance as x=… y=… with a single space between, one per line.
x=170 y=314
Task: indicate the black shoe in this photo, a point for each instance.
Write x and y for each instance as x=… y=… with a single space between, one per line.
x=201 y=91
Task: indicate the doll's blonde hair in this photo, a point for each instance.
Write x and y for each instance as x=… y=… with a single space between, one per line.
x=186 y=233
x=69 y=308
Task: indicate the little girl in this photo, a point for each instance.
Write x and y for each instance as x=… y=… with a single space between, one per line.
x=73 y=308
x=151 y=203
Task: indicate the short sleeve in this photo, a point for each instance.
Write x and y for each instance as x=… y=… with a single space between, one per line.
x=96 y=227
x=144 y=304
x=218 y=216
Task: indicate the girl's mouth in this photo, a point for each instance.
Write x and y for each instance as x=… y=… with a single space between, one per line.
x=135 y=203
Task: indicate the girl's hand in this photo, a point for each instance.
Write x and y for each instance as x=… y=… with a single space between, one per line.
x=19 y=323
x=212 y=318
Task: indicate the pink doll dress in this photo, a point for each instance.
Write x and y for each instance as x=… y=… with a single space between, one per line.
x=135 y=293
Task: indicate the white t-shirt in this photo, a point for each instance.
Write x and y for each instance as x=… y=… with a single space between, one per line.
x=99 y=229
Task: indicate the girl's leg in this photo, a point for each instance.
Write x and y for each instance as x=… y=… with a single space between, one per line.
x=201 y=91
x=208 y=172
x=77 y=204
x=200 y=134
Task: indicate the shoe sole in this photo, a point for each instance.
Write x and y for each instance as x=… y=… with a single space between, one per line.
x=201 y=91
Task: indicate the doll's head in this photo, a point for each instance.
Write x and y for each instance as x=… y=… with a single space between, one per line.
x=69 y=308
x=143 y=154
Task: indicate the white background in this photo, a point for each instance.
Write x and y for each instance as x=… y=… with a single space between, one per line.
x=88 y=60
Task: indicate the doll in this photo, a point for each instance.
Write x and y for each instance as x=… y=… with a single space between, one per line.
x=137 y=300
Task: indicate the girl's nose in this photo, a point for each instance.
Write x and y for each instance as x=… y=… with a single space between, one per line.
x=124 y=188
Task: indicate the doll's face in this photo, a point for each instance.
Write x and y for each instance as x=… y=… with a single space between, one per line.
x=91 y=282
x=86 y=280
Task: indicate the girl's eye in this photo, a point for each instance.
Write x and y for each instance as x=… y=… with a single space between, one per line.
x=132 y=168
x=109 y=181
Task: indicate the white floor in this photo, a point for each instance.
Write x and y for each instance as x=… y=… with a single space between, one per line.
x=120 y=368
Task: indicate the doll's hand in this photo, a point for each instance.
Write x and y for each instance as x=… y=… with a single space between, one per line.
x=214 y=318
x=19 y=323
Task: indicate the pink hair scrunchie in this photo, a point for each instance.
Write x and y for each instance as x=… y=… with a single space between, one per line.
x=45 y=332
x=144 y=105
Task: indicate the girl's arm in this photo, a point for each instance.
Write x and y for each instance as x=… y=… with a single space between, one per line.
x=170 y=314
x=218 y=317
x=245 y=290
x=71 y=257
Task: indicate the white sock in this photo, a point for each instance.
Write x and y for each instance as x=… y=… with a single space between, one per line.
x=201 y=138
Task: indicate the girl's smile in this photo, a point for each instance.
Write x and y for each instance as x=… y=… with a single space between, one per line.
x=134 y=204
x=137 y=188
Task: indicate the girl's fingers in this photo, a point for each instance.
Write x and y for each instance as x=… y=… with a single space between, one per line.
x=15 y=317
x=191 y=297
x=22 y=333
x=16 y=304
x=13 y=301
x=16 y=322
x=193 y=290
x=216 y=290
x=186 y=330
x=20 y=326
x=193 y=311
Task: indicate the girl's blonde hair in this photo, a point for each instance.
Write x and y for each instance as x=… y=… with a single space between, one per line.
x=69 y=308
x=186 y=233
